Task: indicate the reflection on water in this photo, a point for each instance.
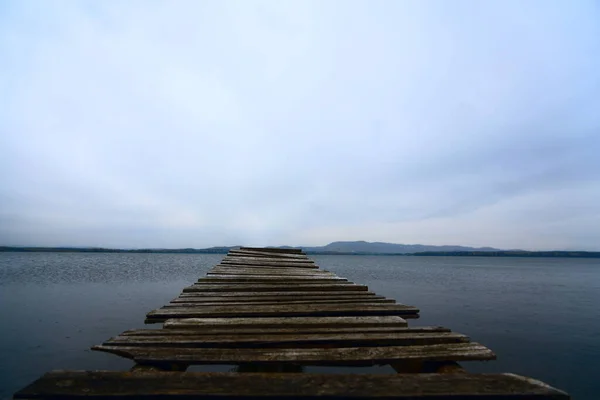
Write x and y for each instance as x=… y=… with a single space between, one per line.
x=539 y=315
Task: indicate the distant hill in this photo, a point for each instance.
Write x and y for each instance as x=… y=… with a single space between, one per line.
x=359 y=247
x=388 y=248
x=352 y=248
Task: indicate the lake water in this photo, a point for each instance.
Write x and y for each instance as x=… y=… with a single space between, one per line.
x=540 y=316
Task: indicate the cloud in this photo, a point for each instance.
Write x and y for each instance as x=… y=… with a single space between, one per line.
x=153 y=124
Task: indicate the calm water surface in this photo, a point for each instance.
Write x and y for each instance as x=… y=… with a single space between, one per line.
x=540 y=316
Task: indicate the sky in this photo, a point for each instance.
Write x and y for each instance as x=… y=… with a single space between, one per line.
x=201 y=123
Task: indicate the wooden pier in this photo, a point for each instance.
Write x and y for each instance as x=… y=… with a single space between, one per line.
x=270 y=312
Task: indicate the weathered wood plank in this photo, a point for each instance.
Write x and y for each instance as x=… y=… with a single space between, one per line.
x=271 y=253
x=269 y=278
x=300 y=310
x=216 y=386
x=253 y=257
x=287 y=323
x=277 y=282
x=244 y=259
x=269 y=259
x=180 y=304
x=168 y=339
x=262 y=261
x=257 y=301
x=291 y=250
x=270 y=270
x=305 y=294
x=305 y=356
x=276 y=330
x=261 y=296
x=300 y=268
x=261 y=272
x=281 y=264
x=273 y=270
x=259 y=255
x=279 y=276
x=276 y=288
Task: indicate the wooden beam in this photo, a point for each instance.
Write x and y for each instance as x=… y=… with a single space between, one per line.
x=241 y=269
x=261 y=272
x=262 y=254
x=187 y=303
x=78 y=385
x=266 y=263
x=272 y=330
x=273 y=250
x=269 y=259
x=359 y=356
x=287 y=323
x=308 y=287
x=251 y=297
x=305 y=294
x=301 y=310
x=269 y=278
x=265 y=340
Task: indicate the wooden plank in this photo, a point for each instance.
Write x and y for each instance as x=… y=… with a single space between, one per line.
x=274 y=269
x=293 y=250
x=243 y=259
x=266 y=251
x=259 y=260
x=251 y=385
x=191 y=302
x=276 y=288
x=310 y=294
x=232 y=301
x=266 y=274
x=180 y=304
x=269 y=259
x=260 y=272
x=259 y=264
x=289 y=284
x=307 y=297
x=298 y=330
x=254 y=257
x=281 y=264
x=265 y=280
x=277 y=256
x=304 y=310
x=270 y=296
x=270 y=270
x=263 y=340
x=238 y=323
x=268 y=279
x=300 y=310
x=360 y=356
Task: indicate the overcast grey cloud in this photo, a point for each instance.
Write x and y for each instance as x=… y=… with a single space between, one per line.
x=199 y=123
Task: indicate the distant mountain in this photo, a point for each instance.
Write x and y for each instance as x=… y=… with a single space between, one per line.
x=387 y=248
x=358 y=248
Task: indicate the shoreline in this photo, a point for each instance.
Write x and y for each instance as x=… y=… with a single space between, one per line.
x=224 y=250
